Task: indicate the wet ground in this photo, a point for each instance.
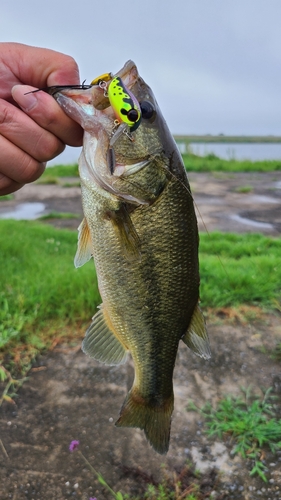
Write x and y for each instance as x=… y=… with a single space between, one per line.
x=69 y=396
x=219 y=198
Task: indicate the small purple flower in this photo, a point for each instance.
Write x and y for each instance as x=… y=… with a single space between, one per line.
x=92 y=498
x=74 y=445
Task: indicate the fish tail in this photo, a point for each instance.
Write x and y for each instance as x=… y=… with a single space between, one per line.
x=153 y=418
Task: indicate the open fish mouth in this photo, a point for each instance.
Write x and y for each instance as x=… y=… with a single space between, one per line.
x=95 y=92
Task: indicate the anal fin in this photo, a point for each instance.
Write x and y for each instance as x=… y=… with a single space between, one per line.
x=101 y=344
x=196 y=337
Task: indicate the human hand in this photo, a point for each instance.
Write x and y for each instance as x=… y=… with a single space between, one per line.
x=33 y=127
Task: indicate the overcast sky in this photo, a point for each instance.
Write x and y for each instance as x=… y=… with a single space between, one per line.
x=214 y=65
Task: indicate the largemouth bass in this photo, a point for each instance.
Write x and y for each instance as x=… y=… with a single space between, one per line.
x=141 y=229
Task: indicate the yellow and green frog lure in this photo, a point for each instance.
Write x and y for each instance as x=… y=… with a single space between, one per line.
x=126 y=109
x=102 y=78
x=124 y=104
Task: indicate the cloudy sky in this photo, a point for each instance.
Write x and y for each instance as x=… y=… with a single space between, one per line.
x=214 y=65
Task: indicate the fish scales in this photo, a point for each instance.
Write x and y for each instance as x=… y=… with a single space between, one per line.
x=140 y=226
x=144 y=304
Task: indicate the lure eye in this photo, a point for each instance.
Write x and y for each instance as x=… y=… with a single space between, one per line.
x=133 y=115
x=147 y=110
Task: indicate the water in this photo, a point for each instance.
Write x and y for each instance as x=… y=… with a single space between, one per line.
x=223 y=150
x=262 y=199
x=24 y=211
x=68 y=156
x=236 y=151
x=250 y=222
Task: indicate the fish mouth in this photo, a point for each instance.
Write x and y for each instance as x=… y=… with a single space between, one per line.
x=95 y=95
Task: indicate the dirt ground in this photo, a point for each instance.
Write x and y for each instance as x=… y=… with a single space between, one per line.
x=69 y=396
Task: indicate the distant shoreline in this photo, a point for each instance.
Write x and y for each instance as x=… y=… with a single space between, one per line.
x=231 y=139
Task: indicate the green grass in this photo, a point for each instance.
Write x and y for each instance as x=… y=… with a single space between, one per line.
x=244 y=189
x=40 y=285
x=39 y=282
x=193 y=163
x=11 y=386
x=52 y=175
x=240 y=269
x=6 y=197
x=251 y=422
x=71 y=184
x=48 y=179
x=276 y=354
x=59 y=215
x=61 y=171
x=211 y=163
x=168 y=491
x=229 y=139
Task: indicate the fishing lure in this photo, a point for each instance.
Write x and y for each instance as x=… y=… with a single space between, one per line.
x=106 y=77
x=125 y=105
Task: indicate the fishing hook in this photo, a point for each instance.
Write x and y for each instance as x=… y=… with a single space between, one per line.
x=56 y=88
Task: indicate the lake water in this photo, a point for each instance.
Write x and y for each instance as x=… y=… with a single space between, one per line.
x=23 y=211
x=237 y=151
x=226 y=151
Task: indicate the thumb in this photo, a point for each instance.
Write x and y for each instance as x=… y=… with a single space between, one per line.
x=47 y=113
x=25 y=97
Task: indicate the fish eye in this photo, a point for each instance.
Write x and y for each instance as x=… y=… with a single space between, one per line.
x=133 y=115
x=147 y=110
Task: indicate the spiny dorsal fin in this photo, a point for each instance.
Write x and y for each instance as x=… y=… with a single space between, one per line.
x=101 y=344
x=84 y=246
x=196 y=337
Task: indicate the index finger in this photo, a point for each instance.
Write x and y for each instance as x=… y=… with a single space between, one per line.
x=36 y=66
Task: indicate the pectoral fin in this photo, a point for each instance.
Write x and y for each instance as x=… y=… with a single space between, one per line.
x=101 y=344
x=126 y=233
x=84 y=247
x=196 y=337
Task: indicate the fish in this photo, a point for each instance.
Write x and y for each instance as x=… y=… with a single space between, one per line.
x=140 y=227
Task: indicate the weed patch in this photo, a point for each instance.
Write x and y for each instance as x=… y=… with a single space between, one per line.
x=244 y=189
x=48 y=179
x=250 y=421
x=212 y=163
x=59 y=215
x=71 y=184
x=11 y=385
x=6 y=197
x=61 y=171
x=240 y=269
x=185 y=484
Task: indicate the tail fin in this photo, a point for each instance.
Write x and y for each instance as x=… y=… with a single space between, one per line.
x=154 y=419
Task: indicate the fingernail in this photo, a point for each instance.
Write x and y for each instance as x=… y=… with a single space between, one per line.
x=26 y=100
